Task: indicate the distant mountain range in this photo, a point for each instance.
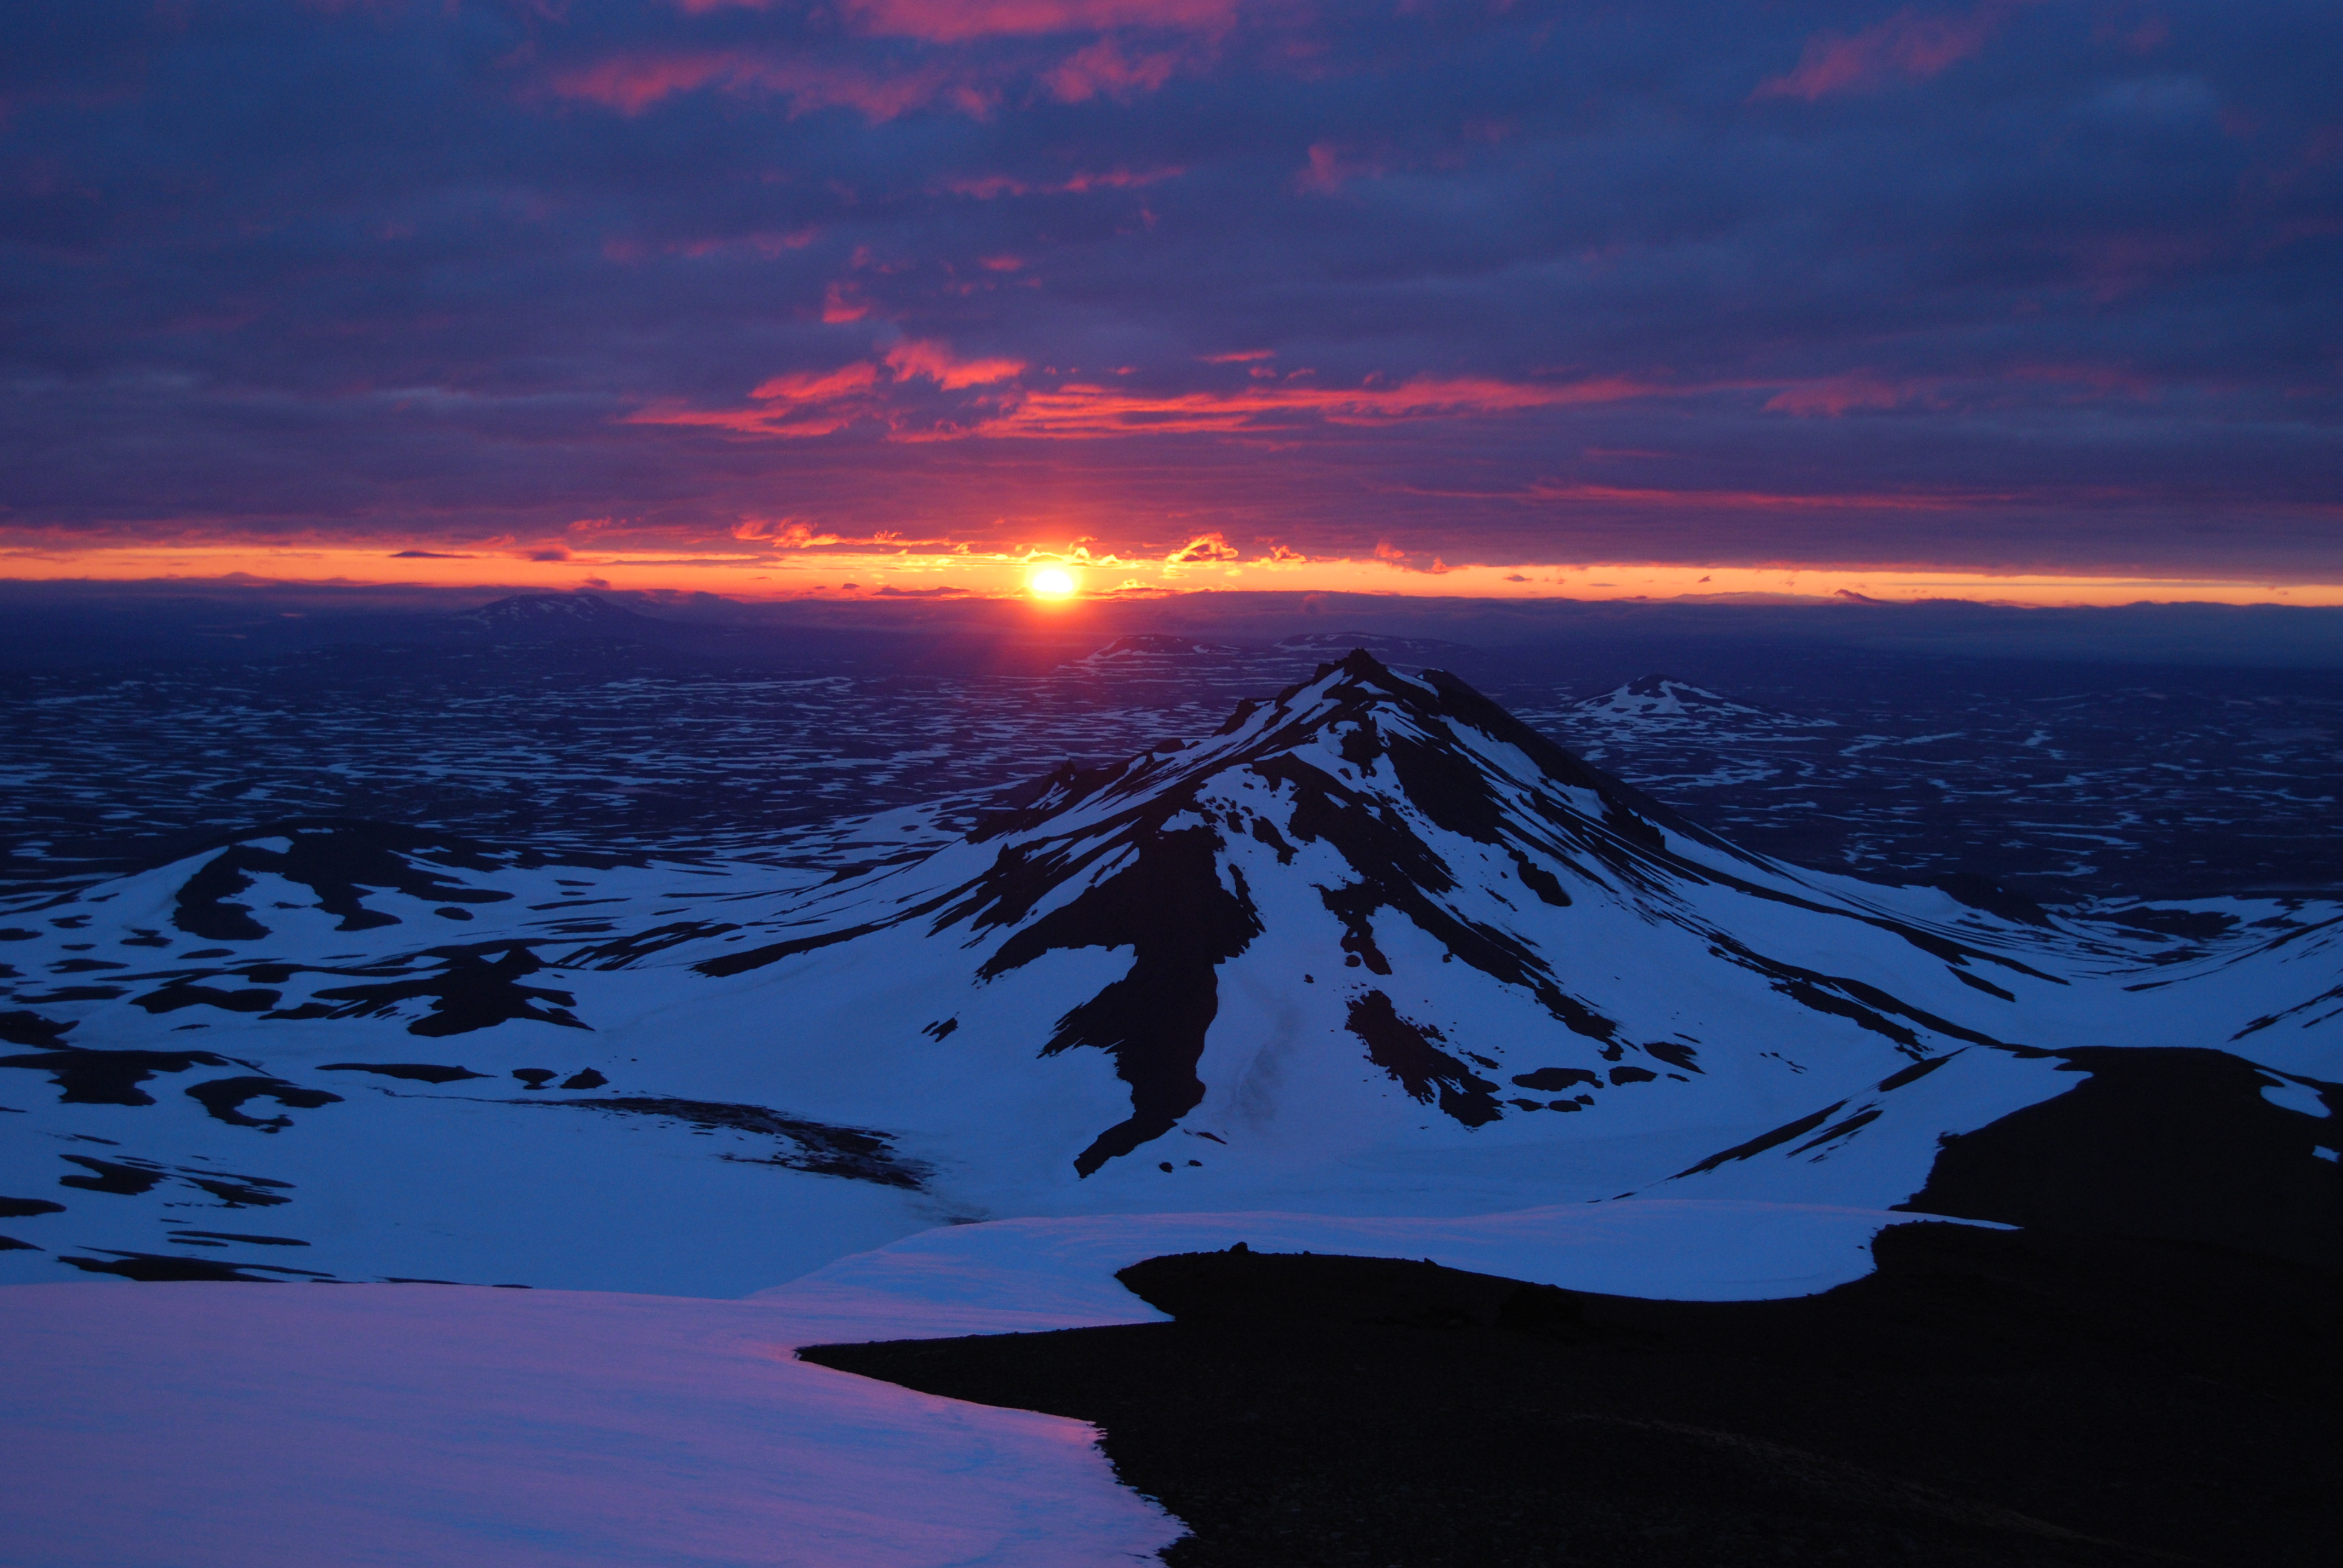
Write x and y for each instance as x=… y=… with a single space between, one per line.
x=1374 y=947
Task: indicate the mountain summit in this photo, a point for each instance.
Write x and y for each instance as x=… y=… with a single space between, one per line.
x=1422 y=868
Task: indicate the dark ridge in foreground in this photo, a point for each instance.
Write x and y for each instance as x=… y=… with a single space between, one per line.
x=1985 y=1398
x=2169 y=1143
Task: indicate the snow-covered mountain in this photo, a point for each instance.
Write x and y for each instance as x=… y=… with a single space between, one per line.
x=554 y=618
x=1656 y=697
x=1374 y=947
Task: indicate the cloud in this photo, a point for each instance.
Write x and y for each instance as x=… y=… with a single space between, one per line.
x=818 y=386
x=958 y=21
x=808 y=403
x=1330 y=170
x=634 y=84
x=1713 y=500
x=991 y=187
x=937 y=363
x=1102 y=68
x=784 y=533
x=1911 y=43
x=961 y=21
x=1839 y=394
x=817 y=403
x=1203 y=548
x=1085 y=409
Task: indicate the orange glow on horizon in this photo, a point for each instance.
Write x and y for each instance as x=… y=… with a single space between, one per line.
x=786 y=567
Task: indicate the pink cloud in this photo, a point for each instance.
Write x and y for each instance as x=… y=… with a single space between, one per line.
x=1909 y=43
x=817 y=385
x=937 y=361
x=784 y=421
x=808 y=403
x=1769 y=501
x=1840 y=394
x=815 y=403
x=1328 y=170
x=1081 y=410
x=2095 y=381
x=1102 y=69
x=803 y=404
x=1119 y=179
x=989 y=187
x=955 y=21
x=784 y=533
x=768 y=244
x=632 y=83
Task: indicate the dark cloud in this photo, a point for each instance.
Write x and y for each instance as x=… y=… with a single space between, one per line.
x=1988 y=285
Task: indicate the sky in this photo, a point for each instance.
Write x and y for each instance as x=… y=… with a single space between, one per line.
x=2027 y=299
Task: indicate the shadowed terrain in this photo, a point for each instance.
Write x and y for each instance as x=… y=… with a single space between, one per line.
x=1985 y=1398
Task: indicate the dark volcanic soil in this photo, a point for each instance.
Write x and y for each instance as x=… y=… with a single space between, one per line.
x=1985 y=1398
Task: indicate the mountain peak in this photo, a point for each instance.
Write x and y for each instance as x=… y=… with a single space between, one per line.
x=1660 y=696
x=553 y=617
x=1416 y=816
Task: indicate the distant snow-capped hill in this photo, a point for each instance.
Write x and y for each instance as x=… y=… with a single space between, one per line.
x=1374 y=946
x=1653 y=696
x=1150 y=646
x=555 y=618
x=1655 y=717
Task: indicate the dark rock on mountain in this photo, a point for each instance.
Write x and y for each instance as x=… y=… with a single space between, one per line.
x=2193 y=925
x=468 y=991
x=31 y=1029
x=1405 y=1051
x=225 y=1099
x=123 y=1178
x=180 y=994
x=158 y=1268
x=414 y=1071
x=111 y=1077
x=1180 y=923
x=853 y=1153
x=337 y=859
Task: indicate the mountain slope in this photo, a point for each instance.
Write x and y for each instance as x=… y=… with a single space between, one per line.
x=1374 y=947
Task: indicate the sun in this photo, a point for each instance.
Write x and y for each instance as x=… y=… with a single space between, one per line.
x=1051 y=582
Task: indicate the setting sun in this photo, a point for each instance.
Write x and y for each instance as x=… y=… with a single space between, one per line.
x=1053 y=582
